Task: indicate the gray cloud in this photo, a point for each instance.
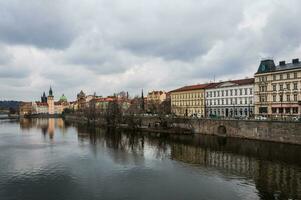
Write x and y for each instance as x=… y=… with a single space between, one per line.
x=33 y=22
x=107 y=46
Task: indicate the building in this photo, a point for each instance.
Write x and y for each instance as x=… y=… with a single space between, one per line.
x=156 y=96
x=234 y=98
x=81 y=100
x=47 y=105
x=25 y=108
x=278 y=88
x=189 y=100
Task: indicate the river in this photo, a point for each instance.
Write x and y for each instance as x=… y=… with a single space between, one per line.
x=49 y=159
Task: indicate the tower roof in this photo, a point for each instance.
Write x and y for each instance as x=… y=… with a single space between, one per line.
x=50 y=92
x=63 y=98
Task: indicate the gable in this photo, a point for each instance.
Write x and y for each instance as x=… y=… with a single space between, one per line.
x=227 y=84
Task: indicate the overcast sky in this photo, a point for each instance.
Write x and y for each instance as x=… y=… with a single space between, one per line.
x=113 y=45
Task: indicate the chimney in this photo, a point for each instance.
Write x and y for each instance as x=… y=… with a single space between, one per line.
x=282 y=63
x=296 y=61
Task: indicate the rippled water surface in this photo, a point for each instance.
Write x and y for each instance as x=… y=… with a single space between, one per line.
x=48 y=159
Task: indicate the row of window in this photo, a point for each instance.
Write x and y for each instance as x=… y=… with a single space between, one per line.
x=230 y=92
x=231 y=112
x=280 y=110
x=277 y=77
x=280 y=98
x=230 y=101
x=187 y=95
x=288 y=98
x=287 y=86
x=186 y=103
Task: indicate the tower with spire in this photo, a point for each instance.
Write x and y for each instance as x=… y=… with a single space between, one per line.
x=50 y=102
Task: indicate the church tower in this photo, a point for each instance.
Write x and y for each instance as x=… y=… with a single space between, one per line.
x=50 y=102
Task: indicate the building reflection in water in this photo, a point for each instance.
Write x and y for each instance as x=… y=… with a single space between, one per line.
x=47 y=125
x=274 y=168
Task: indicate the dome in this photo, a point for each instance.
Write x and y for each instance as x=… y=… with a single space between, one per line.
x=63 y=98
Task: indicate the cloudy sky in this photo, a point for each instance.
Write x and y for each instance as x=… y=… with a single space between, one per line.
x=112 y=45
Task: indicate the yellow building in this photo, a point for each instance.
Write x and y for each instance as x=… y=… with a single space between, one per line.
x=277 y=88
x=156 y=96
x=189 y=100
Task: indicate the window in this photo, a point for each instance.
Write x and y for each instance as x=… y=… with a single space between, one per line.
x=288 y=86
x=274 y=77
x=226 y=92
x=240 y=91
x=226 y=101
x=288 y=97
x=281 y=87
x=235 y=92
x=295 y=110
x=240 y=100
x=288 y=76
x=295 y=86
x=246 y=101
x=295 y=97
x=222 y=92
x=246 y=91
x=214 y=94
x=274 y=110
x=231 y=92
x=295 y=75
x=218 y=93
x=274 y=87
x=274 y=98
x=251 y=91
x=281 y=76
x=280 y=98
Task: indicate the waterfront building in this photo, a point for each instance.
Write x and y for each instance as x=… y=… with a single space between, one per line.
x=278 y=88
x=81 y=100
x=189 y=100
x=233 y=98
x=25 y=108
x=47 y=105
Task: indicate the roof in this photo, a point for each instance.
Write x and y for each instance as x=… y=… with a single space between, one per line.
x=246 y=81
x=194 y=87
x=268 y=66
x=288 y=66
x=41 y=104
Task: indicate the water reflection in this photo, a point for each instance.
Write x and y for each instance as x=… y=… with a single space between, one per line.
x=274 y=169
x=47 y=125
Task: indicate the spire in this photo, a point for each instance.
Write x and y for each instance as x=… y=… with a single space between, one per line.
x=50 y=92
x=142 y=100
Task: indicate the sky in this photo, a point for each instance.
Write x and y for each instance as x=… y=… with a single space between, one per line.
x=107 y=46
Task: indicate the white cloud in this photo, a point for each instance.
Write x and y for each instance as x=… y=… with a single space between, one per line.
x=108 y=46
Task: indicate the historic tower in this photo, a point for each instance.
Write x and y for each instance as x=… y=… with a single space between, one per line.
x=50 y=102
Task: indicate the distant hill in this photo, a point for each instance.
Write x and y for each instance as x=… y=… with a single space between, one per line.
x=9 y=104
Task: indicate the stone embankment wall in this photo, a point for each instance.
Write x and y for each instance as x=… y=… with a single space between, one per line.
x=276 y=131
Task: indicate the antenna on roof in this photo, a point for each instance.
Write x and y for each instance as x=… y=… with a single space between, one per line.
x=214 y=78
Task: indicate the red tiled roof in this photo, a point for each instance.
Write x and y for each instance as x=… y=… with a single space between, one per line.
x=194 y=87
x=57 y=103
x=41 y=104
x=246 y=81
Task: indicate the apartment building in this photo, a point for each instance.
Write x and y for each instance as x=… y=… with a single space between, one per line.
x=189 y=100
x=278 y=88
x=232 y=98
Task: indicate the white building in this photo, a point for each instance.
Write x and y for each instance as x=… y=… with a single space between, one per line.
x=233 y=98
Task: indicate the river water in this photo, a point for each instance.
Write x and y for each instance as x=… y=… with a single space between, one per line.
x=48 y=159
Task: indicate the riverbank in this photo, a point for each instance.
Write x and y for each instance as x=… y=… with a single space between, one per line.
x=272 y=131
